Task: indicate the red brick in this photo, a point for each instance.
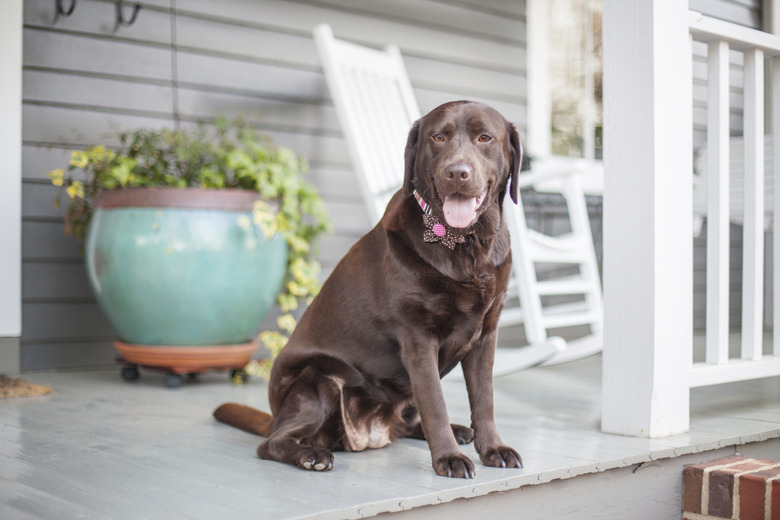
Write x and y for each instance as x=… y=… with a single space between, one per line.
x=748 y=465
x=692 y=482
x=752 y=492
x=775 y=500
x=721 y=501
x=720 y=462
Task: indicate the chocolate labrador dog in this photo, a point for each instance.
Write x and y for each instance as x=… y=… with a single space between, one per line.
x=418 y=294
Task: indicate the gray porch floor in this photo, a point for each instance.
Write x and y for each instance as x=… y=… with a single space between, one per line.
x=103 y=448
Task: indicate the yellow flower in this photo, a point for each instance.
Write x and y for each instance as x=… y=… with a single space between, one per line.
x=263 y=216
x=79 y=159
x=99 y=153
x=298 y=244
x=273 y=341
x=75 y=190
x=286 y=322
x=253 y=368
x=296 y=289
x=57 y=176
x=287 y=302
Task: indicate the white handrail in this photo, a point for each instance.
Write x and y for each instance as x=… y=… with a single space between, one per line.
x=740 y=38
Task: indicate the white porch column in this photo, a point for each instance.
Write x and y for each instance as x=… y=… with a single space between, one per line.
x=10 y=181
x=648 y=302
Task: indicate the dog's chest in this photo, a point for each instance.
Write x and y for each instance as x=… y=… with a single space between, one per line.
x=462 y=308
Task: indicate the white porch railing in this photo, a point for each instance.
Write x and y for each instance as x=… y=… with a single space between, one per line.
x=721 y=37
x=648 y=350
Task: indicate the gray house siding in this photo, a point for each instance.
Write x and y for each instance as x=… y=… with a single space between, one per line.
x=85 y=79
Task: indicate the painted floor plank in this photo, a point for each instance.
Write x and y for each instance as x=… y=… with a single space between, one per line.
x=99 y=447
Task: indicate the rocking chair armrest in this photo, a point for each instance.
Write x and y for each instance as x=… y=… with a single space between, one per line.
x=545 y=173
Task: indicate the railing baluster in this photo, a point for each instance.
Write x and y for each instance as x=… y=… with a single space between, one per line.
x=718 y=202
x=753 y=239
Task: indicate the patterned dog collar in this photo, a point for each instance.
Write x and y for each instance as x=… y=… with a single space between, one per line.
x=436 y=231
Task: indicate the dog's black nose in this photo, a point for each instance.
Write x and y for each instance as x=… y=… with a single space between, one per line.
x=460 y=171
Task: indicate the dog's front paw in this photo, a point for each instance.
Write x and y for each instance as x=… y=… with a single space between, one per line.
x=316 y=459
x=501 y=457
x=456 y=465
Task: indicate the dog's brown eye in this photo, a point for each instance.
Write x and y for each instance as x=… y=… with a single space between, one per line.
x=484 y=138
x=438 y=138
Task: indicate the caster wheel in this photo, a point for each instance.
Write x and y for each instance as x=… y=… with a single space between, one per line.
x=130 y=373
x=173 y=380
x=239 y=375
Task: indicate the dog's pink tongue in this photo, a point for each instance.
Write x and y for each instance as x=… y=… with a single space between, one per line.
x=459 y=210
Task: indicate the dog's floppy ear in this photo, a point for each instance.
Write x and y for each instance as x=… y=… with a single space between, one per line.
x=516 y=153
x=410 y=154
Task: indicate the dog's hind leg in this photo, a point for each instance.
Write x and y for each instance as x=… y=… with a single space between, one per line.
x=308 y=425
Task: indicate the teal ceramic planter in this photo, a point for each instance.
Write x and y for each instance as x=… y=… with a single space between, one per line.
x=182 y=266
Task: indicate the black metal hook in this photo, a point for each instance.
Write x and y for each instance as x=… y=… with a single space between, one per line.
x=120 y=17
x=65 y=12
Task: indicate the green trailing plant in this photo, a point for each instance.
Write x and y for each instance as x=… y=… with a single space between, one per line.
x=230 y=154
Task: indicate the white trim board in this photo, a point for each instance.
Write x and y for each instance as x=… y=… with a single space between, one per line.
x=10 y=167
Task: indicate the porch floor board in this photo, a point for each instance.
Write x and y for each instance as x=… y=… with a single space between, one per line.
x=99 y=447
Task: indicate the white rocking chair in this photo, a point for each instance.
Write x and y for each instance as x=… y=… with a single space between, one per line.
x=574 y=277
x=376 y=107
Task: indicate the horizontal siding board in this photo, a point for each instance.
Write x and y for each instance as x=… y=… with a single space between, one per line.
x=76 y=127
x=39 y=201
x=507 y=8
x=63 y=321
x=99 y=18
x=333 y=247
x=38 y=160
x=55 y=282
x=72 y=52
x=736 y=98
x=237 y=40
x=48 y=87
x=464 y=19
x=234 y=74
x=515 y=113
x=349 y=218
x=435 y=75
x=203 y=102
x=436 y=44
x=78 y=354
x=42 y=240
x=335 y=184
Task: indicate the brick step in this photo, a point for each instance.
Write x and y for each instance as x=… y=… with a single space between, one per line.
x=736 y=487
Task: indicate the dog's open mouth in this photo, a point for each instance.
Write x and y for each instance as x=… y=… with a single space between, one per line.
x=461 y=211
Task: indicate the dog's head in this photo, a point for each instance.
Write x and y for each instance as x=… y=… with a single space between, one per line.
x=462 y=157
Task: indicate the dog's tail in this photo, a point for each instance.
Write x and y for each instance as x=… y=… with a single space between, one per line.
x=246 y=418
